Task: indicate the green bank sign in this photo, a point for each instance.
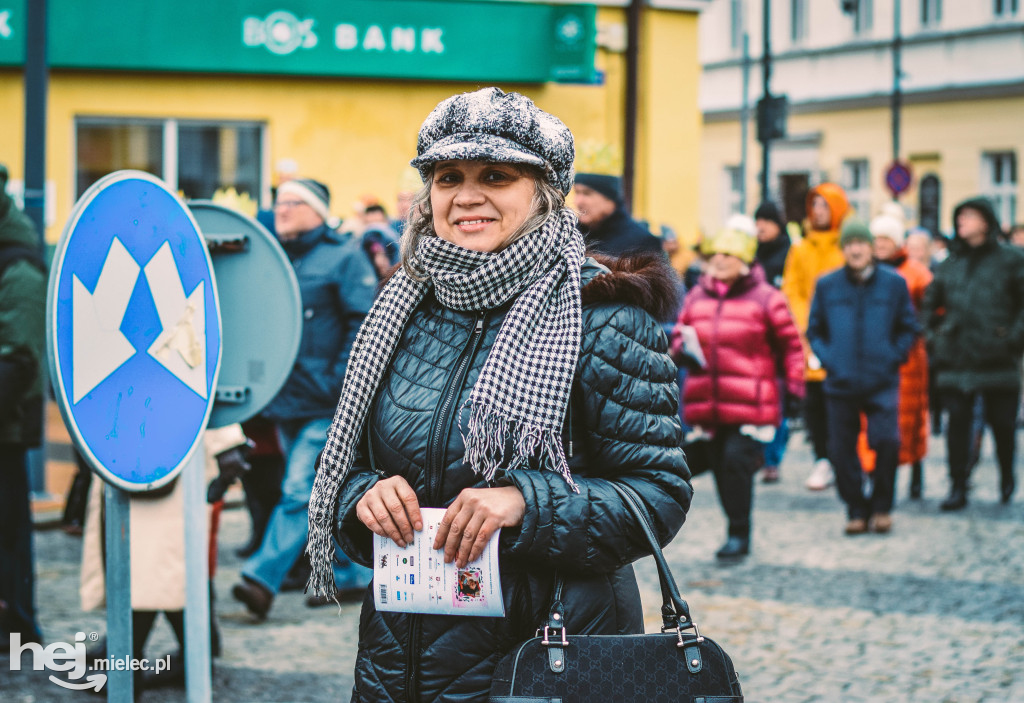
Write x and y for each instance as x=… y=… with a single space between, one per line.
x=422 y=39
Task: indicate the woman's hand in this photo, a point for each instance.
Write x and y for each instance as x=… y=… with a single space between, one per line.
x=473 y=518
x=390 y=509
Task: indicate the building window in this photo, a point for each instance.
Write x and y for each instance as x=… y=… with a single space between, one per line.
x=197 y=159
x=863 y=16
x=931 y=13
x=858 y=189
x=797 y=20
x=736 y=24
x=1005 y=8
x=732 y=202
x=999 y=183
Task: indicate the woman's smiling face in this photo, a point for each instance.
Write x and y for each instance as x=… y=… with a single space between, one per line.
x=479 y=205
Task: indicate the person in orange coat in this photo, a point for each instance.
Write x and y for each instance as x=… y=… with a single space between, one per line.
x=889 y=249
x=813 y=256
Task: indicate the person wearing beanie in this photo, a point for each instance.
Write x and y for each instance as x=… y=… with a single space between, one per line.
x=603 y=218
x=337 y=283
x=974 y=318
x=477 y=388
x=861 y=327
x=734 y=401
x=889 y=249
x=773 y=241
x=813 y=256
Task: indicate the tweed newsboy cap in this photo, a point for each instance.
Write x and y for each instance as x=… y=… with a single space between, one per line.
x=491 y=125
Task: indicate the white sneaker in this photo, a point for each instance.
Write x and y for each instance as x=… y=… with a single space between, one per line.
x=821 y=476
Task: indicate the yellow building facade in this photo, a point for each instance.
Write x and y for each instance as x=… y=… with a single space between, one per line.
x=356 y=134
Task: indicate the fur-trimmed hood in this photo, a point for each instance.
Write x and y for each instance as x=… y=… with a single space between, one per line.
x=644 y=280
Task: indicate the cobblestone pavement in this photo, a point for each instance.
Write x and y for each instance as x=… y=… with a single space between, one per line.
x=933 y=612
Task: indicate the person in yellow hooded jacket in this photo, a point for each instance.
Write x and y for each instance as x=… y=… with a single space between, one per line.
x=813 y=256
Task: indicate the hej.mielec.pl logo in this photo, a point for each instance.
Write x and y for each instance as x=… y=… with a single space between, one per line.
x=71 y=660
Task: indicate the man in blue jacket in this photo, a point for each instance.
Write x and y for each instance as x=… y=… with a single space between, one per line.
x=337 y=284
x=861 y=328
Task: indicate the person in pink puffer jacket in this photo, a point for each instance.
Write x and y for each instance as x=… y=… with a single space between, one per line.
x=747 y=339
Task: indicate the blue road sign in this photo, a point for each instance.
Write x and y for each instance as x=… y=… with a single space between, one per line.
x=133 y=328
x=898 y=177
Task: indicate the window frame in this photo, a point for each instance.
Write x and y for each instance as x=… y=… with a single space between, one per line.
x=732 y=176
x=864 y=17
x=931 y=13
x=856 y=181
x=798 y=10
x=1005 y=9
x=1001 y=192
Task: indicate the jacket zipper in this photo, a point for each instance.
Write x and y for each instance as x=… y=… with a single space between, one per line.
x=433 y=469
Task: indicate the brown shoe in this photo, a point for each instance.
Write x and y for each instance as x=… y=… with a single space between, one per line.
x=256 y=598
x=857 y=526
x=881 y=523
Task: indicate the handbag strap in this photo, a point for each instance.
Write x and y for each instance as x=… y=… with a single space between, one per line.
x=675 y=612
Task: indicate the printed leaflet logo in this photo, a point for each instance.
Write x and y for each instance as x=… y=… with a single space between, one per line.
x=281 y=32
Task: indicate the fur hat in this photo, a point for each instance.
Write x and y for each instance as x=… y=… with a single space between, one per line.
x=313 y=193
x=889 y=227
x=738 y=238
x=491 y=125
x=855 y=230
x=608 y=186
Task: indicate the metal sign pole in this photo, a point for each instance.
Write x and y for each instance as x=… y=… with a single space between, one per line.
x=198 y=678
x=117 y=528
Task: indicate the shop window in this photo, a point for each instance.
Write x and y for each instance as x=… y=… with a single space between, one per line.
x=797 y=20
x=858 y=189
x=999 y=183
x=197 y=159
x=732 y=202
x=931 y=13
x=1005 y=8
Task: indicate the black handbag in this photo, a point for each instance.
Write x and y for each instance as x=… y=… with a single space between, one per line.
x=677 y=665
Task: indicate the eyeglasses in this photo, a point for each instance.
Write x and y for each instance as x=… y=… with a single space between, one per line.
x=288 y=203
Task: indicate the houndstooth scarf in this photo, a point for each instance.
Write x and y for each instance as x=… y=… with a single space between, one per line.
x=523 y=389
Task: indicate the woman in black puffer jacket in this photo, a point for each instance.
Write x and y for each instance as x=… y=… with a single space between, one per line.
x=507 y=378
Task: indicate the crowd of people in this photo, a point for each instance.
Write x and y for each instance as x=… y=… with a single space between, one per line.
x=493 y=352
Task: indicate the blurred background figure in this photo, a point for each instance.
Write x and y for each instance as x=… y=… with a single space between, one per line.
x=22 y=375
x=606 y=225
x=409 y=184
x=773 y=243
x=746 y=333
x=975 y=324
x=862 y=327
x=918 y=246
x=891 y=249
x=1016 y=236
x=815 y=255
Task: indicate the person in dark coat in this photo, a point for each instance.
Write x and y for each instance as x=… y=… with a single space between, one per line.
x=603 y=218
x=337 y=284
x=506 y=378
x=22 y=375
x=773 y=242
x=862 y=326
x=974 y=317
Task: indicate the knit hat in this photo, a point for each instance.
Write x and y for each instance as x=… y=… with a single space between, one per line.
x=889 y=227
x=738 y=239
x=855 y=230
x=491 y=125
x=608 y=186
x=313 y=193
x=769 y=211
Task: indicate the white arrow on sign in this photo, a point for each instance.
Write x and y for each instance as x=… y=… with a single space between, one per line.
x=181 y=346
x=98 y=347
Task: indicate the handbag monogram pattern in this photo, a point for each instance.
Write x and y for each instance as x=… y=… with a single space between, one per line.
x=679 y=665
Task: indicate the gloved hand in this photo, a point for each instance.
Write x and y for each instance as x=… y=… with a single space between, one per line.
x=792 y=406
x=231 y=464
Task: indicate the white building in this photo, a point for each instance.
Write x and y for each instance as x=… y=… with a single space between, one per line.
x=962 y=122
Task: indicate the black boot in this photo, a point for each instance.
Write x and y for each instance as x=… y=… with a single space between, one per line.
x=734 y=548
x=1006 y=488
x=957 y=499
x=916 y=480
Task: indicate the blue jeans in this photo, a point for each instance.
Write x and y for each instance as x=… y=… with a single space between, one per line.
x=288 y=528
x=776 y=449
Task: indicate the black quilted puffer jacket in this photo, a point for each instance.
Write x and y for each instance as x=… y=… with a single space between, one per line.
x=622 y=425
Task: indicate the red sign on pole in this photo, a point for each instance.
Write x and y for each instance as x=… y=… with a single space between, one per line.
x=898 y=178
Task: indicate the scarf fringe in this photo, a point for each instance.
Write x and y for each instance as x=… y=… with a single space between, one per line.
x=488 y=437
